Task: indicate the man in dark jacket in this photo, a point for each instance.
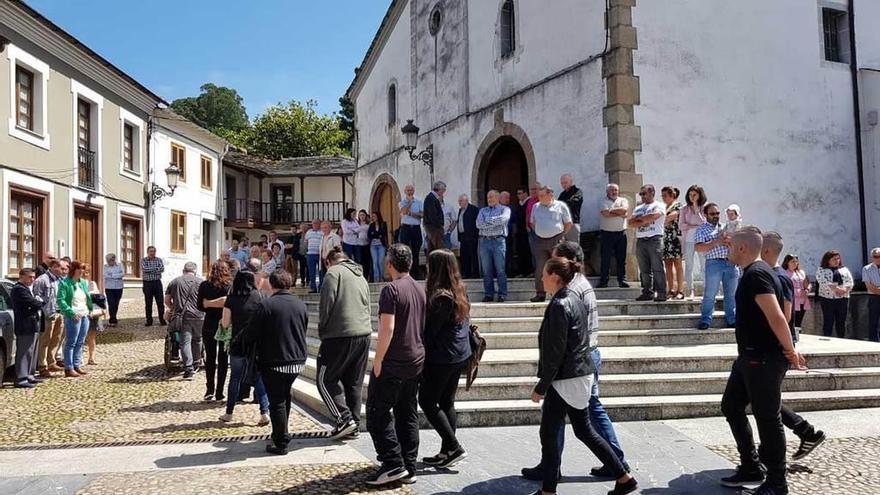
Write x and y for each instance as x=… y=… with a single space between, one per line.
x=26 y=310
x=344 y=329
x=468 y=237
x=574 y=199
x=433 y=219
x=278 y=328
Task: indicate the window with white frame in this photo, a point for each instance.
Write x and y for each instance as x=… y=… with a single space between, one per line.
x=28 y=84
x=835 y=31
x=130 y=132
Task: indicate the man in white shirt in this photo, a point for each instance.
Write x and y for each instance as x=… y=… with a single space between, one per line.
x=411 y=213
x=613 y=209
x=648 y=219
x=550 y=221
x=871 y=278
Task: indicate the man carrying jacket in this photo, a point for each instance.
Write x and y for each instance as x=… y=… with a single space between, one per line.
x=26 y=310
x=344 y=329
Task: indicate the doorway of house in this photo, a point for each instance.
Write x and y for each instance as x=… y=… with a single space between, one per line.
x=504 y=167
x=206 y=246
x=385 y=201
x=87 y=240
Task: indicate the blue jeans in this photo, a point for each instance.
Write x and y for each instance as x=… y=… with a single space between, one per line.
x=352 y=251
x=237 y=364
x=492 y=259
x=598 y=416
x=377 y=251
x=312 y=261
x=74 y=336
x=720 y=272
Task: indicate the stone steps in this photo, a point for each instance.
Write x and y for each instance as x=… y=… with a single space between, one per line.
x=515 y=293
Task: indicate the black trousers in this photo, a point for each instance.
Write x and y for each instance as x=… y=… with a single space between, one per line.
x=437 y=398
x=393 y=419
x=874 y=318
x=510 y=263
x=278 y=390
x=113 y=298
x=834 y=316
x=216 y=362
x=341 y=366
x=758 y=381
x=411 y=235
x=612 y=244
x=553 y=414
x=153 y=292
x=523 y=254
x=470 y=264
x=799 y=317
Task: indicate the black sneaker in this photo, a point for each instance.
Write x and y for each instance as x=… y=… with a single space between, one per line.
x=387 y=474
x=538 y=298
x=488 y=299
x=703 y=326
x=765 y=489
x=623 y=285
x=435 y=460
x=808 y=444
x=343 y=430
x=410 y=477
x=743 y=477
x=188 y=375
x=625 y=487
x=274 y=449
x=645 y=297
x=602 y=285
x=536 y=473
x=500 y=299
x=603 y=472
x=453 y=458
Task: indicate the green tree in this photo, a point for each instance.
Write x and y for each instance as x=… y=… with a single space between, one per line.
x=293 y=130
x=346 y=120
x=217 y=108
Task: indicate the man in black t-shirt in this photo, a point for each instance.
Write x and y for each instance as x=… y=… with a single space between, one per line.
x=392 y=413
x=810 y=438
x=765 y=350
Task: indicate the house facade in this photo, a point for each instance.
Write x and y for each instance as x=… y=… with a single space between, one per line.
x=263 y=194
x=780 y=118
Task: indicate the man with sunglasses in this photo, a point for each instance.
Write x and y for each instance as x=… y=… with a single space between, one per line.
x=43 y=266
x=871 y=277
x=648 y=219
x=711 y=240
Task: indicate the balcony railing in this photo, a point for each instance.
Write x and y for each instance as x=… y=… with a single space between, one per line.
x=87 y=175
x=246 y=212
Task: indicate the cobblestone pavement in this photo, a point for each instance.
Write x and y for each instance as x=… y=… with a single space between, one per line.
x=327 y=479
x=127 y=396
x=840 y=466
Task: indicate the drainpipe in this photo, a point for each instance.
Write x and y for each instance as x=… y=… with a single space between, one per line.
x=148 y=184
x=860 y=166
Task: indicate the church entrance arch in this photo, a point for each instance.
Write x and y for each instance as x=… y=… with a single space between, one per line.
x=505 y=161
x=385 y=199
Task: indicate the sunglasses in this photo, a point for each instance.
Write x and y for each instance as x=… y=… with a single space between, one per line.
x=716 y=214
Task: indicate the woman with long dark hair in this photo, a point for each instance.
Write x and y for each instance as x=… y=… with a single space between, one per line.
x=802 y=287
x=240 y=305
x=689 y=220
x=211 y=297
x=672 y=244
x=350 y=228
x=364 y=242
x=378 y=234
x=565 y=379
x=447 y=350
x=835 y=283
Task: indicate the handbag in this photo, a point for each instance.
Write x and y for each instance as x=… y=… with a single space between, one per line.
x=478 y=347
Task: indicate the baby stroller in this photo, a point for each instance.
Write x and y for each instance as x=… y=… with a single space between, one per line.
x=172 y=347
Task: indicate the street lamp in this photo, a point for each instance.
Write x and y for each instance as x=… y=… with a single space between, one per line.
x=426 y=156
x=172 y=173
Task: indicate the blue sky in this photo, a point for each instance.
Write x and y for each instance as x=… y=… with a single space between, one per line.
x=269 y=50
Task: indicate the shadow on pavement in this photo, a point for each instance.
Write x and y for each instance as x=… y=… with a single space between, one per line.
x=507 y=485
x=700 y=483
x=204 y=425
x=165 y=406
x=229 y=452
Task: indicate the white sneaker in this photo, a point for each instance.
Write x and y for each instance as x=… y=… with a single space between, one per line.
x=264 y=420
x=226 y=418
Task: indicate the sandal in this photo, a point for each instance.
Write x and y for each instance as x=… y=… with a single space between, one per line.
x=679 y=296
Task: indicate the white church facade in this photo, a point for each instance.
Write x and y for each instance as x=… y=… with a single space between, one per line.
x=771 y=105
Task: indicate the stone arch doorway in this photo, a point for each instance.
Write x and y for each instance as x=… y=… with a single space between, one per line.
x=505 y=161
x=385 y=199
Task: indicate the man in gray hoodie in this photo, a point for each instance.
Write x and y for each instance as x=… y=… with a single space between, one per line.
x=344 y=328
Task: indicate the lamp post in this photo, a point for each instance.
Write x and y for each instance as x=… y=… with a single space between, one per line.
x=426 y=156
x=172 y=173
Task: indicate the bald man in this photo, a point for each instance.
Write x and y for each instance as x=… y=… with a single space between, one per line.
x=468 y=237
x=765 y=352
x=574 y=199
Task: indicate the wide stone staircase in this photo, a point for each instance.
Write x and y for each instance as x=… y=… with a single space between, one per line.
x=655 y=363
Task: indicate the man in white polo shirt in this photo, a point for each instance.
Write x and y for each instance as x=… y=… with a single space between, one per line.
x=871 y=278
x=648 y=219
x=550 y=221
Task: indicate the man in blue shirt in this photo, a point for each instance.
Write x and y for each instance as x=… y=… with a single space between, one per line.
x=411 y=225
x=492 y=224
x=235 y=252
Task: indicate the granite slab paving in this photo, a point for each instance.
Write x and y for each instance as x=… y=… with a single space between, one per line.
x=663 y=460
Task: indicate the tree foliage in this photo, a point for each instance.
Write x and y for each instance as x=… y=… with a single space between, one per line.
x=346 y=120
x=293 y=130
x=217 y=108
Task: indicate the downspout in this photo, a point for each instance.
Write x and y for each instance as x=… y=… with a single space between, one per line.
x=148 y=184
x=857 y=114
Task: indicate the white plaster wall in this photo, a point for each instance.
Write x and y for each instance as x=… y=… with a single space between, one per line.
x=550 y=36
x=870 y=92
x=868 y=33
x=375 y=136
x=755 y=115
x=189 y=197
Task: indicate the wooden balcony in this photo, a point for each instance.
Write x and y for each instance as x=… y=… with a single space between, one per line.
x=246 y=213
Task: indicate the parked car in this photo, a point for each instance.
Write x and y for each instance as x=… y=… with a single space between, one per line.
x=7 y=334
